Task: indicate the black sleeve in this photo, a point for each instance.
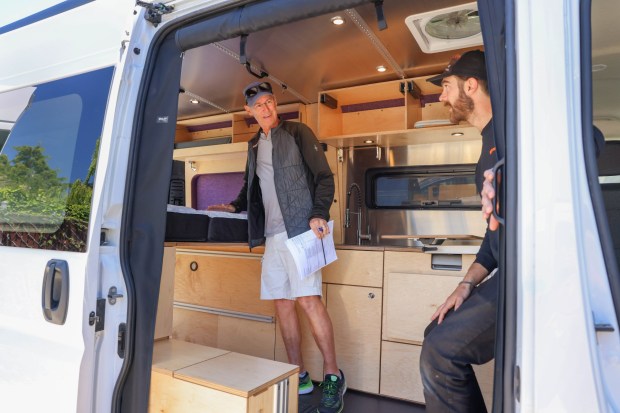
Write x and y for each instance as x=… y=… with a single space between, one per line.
x=314 y=157
x=485 y=255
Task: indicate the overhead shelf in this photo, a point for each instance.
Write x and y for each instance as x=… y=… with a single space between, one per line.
x=420 y=136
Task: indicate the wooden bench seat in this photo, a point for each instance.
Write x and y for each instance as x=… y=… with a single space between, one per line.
x=189 y=378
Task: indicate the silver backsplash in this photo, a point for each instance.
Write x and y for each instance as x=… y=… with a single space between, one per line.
x=380 y=223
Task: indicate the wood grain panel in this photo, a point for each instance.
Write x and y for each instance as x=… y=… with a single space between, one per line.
x=400 y=371
x=236 y=373
x=254 y=338
x=378 y=120
x=163 y=322
x=356 y=317
x=356 y=268
x=409 y=302
x=230 y=282
x=170 y=395
x=172 y=355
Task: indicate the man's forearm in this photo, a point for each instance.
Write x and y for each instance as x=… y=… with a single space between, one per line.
x=475 y=274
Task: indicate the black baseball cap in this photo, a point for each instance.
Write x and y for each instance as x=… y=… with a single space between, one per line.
x=470 y=64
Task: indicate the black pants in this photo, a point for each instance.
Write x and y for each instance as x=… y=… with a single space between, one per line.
x=465 y=337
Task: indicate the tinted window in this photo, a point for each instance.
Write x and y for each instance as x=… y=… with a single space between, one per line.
x=420 y=187
x=47 y=163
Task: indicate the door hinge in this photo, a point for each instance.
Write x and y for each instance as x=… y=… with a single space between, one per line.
x=154 y=11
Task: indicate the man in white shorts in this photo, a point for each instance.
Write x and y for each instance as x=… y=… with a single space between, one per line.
x=288 y=189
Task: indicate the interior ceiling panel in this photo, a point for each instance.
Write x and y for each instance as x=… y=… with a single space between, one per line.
x=310 y=56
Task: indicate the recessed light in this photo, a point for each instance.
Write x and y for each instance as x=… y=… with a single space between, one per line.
x=337 y=20
x=369 y=141
x=599 y=67
x=381 y=68
x=457 y=134
x=194 y=101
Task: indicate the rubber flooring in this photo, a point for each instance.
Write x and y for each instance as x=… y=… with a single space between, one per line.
x=359 y=402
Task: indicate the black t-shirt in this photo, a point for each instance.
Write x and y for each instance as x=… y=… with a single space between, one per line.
x=488 y=254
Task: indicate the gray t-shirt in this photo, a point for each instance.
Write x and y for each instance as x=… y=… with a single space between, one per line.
x=274 y=222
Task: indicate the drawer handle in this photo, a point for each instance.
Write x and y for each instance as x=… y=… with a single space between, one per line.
x=193 y=265
x=371 y=295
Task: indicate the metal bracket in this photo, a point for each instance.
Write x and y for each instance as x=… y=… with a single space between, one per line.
x=154 y=11
x=113 y=295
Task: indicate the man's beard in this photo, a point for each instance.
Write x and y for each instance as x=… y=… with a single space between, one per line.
x=462 y=108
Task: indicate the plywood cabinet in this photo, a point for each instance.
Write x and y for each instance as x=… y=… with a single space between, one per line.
x=356 y=316
x=217 y=302
x=415 y=284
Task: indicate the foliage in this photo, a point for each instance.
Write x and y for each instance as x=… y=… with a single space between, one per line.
x=35 y=199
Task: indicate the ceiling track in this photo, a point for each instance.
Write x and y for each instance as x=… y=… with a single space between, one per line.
x=203 y=100
x=274 y=79
x=383 y=51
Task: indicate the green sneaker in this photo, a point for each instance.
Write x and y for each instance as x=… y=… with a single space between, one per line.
x=305 y=384
x=334 y=388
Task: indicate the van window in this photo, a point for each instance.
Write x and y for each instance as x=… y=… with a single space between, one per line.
x=47 y=163
x=423 y=187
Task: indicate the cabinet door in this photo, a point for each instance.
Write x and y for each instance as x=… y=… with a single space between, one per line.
x=355 y=268
x=356 y=316
x=410 y=300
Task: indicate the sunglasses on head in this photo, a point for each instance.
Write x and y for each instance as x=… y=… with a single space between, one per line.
x=261 y=87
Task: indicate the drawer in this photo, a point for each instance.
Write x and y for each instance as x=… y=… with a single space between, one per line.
x=400 y=371
x=224 y=281
x=255 y=338
x=425 y=263
x=354 y=267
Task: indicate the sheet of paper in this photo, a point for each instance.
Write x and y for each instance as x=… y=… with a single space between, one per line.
x=311 y=253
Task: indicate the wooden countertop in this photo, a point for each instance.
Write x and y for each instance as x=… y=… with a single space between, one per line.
x=244 y=248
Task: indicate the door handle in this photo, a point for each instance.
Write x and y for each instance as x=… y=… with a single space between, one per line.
x=55 y=295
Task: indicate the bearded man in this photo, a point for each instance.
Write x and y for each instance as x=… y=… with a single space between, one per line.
x=462 y=330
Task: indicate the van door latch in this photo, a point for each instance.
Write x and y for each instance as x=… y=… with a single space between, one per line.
x=154 y=11
x=113 y=294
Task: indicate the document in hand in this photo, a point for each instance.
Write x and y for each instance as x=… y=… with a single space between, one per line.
x=311 y=253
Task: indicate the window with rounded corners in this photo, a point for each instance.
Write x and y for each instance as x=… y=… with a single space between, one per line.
x=50 y=141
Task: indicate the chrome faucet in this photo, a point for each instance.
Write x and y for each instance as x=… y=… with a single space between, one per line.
x=347 y=214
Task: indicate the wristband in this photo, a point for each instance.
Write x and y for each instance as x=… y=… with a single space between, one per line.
x=471 y=284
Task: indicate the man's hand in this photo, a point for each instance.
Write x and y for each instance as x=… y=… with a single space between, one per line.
x=454 y=300
x=319 y=227
x=221 y=207
x=488 y=194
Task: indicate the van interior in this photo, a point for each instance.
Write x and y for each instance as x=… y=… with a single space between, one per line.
x=406 y=213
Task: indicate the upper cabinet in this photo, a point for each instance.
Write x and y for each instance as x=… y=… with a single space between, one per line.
x=394 y=113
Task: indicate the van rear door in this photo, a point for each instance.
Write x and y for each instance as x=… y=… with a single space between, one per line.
x=55 y=85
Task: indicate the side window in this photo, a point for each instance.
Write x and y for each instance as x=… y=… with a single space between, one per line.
x=49 y=139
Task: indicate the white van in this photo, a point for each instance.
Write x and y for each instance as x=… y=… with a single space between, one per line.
x=98 y=99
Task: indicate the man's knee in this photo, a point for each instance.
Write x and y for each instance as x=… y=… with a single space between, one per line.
x=310 y=302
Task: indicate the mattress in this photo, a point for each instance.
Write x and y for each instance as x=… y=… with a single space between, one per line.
x=185 y=224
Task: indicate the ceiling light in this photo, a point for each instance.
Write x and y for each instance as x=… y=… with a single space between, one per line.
x=446 y=29
x=194 y=101
x=599 y=67
x=381 y=68
x=337 y=20
x=369 y=141
x=457 y=134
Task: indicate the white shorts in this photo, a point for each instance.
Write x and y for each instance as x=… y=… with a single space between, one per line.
x=279 y=276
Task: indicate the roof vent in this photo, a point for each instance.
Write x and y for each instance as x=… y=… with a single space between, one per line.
x=446 y=29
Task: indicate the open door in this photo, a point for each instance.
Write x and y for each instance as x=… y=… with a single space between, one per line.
x=54 y=91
